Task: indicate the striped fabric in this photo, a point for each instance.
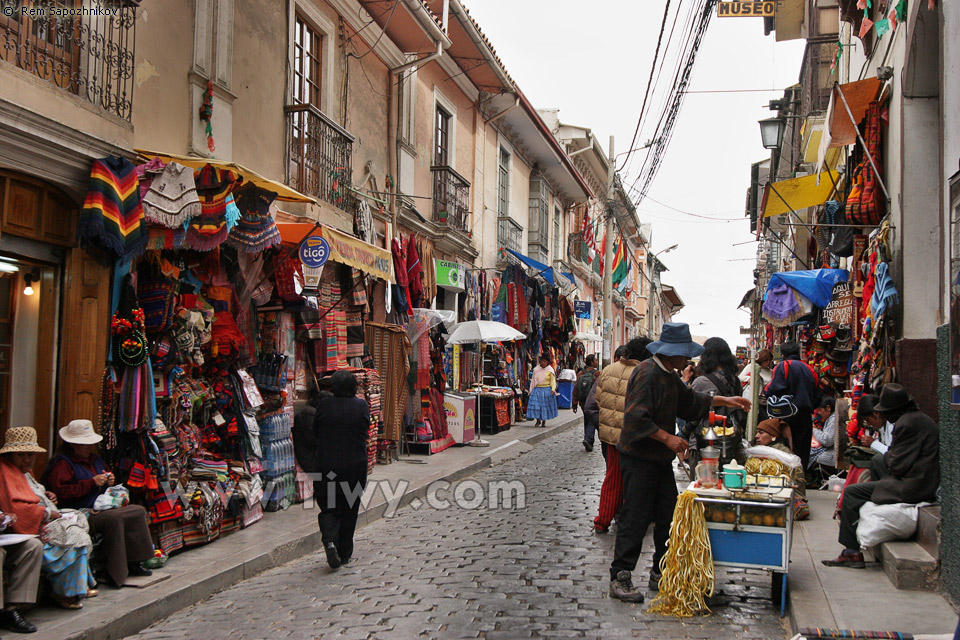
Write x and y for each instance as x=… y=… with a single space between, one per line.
x=816 y=632
x=611 y=493
x=112 y=225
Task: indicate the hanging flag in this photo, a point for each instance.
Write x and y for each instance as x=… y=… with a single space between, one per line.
x=603 y=254
x=619 y=262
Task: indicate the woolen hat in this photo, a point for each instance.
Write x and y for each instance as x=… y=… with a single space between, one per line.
x=80 y=432
x=675 y=340
x=892 y=397
x=22 y=439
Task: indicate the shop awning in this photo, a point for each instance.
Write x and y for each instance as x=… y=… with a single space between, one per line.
x=840 y=129
x=797 y=193
x=582 y=336
x=343 y=248
x=283 y=192
x=547 y=272
x=814 y=284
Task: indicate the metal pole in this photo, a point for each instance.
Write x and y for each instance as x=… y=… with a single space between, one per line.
x=608 y=266
x=863 y=144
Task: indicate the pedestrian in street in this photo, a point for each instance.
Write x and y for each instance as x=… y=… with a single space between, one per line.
x=581 y=389
x=543 y=393
x=717 y=376
x=763 y=370
x=610 y=398
x=796 y=379
x=908 y=472
x=342 y=426
x=656 y=397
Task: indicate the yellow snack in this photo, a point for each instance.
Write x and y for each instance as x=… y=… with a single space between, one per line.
x=687 y=567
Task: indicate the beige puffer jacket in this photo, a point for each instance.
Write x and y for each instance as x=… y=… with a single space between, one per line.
x=611 y=398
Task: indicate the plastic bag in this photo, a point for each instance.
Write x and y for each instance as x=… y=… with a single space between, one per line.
x=884 y=522
x=788 y=459
x=113 y=498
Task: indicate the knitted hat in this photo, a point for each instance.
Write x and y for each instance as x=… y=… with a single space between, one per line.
x=172 y=197
x=256 y=230
x=23 y=439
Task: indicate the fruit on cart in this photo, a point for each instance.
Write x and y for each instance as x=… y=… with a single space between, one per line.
x=730 y=517
x=781 y=521
x=769 y=520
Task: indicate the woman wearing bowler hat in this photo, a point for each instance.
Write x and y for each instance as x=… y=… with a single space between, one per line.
x=77 y=475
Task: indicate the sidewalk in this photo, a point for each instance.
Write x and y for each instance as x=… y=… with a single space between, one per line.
x=280 y=537
x=862 y=599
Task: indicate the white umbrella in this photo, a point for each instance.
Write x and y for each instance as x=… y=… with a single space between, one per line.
x=484 y=331
x=586 y=337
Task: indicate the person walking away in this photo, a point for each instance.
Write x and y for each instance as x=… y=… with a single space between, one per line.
x=796 y=379
x=610 y=394
x=908 y=472
x=581 y=389
x=656 y=397
x=717 y=376
x=763 y=372
x=342 y=427
x=543 y=393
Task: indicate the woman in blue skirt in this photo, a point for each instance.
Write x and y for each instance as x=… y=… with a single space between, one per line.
x=543 y=399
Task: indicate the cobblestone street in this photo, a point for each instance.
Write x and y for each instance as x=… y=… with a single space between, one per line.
x=536 y=571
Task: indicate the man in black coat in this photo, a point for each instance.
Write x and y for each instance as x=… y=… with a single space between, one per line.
x=908 y=472
x=797 y=379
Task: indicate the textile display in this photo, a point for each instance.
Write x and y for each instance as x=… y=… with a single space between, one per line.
x=425 y=249
x=390 y=349
x=353 y=322
x=414 y=272
x=256 y=229
x=207 y=230
x=112 y=225
x=171 y=199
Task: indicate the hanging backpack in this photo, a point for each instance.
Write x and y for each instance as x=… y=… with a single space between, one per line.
x=584 y=384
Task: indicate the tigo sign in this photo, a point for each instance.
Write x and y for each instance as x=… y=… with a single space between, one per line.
x=314 y=252
x=754 y=9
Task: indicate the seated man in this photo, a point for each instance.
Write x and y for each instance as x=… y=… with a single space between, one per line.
x=20 y=570
x=908 y=472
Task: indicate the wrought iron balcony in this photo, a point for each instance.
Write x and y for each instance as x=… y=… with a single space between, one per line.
x=451 y=198
x=578 y=249
x=89 y=54
x=509 y=234
x=319 y=155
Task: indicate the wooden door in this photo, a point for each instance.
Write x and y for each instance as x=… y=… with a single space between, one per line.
x=84 y=337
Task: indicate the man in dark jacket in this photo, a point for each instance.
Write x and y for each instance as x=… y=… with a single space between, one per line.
x=796 y=378
x=908 y=472
x=656 y=397
x=581 y=389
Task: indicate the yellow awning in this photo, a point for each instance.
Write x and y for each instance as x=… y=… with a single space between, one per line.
x=283 y=192
x=359 y=254
x=798 y=193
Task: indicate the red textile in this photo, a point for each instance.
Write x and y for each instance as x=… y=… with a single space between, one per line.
x=611 y=493
x=414 y=271
x=17 y=498
x=439 y=421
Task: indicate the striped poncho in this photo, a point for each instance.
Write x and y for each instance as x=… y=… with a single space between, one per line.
x=112 y=224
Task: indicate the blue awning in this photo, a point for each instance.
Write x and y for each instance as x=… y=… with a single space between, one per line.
x=545 y=271
x=815 y=284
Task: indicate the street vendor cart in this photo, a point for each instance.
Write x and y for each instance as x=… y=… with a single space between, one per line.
x=751 y=528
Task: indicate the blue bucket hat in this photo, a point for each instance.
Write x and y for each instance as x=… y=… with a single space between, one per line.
x=675 y=341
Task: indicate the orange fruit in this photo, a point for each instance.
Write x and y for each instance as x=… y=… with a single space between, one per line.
x=769 y=520
x=730 y=517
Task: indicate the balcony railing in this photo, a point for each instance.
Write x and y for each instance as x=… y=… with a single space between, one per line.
x=509 y=234
x=89 y=55
x=578 y=248
x=319 y=155
x=451 y=198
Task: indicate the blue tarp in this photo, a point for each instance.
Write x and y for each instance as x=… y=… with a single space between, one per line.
x=545 y=271
x=815 y=284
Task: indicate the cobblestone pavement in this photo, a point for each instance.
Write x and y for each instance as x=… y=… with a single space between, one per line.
x=535 y=572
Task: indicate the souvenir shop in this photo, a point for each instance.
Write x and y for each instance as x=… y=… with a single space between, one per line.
x=222 y=318
x=842 y=311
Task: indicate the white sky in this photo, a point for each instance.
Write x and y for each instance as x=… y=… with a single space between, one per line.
x=591 y=60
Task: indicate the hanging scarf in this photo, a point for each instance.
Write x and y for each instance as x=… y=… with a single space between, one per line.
x=414 y=269
x=17 y=498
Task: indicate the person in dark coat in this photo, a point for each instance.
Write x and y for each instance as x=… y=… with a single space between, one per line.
x=796 y=378
x=342 y=426
x=908 y=472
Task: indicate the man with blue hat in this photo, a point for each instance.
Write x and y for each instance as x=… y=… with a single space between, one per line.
x=656 y=397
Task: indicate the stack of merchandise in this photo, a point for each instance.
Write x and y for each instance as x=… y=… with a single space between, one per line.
x=278 y=472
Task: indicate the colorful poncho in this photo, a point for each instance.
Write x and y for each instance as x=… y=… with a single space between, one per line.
x=209 y=229
x=255 y=230
x=111 y=224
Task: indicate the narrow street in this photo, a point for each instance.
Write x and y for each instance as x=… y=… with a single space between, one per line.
x=536 y=571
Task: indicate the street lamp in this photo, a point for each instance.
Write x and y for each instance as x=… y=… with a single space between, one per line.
x=771 y=132
x=667 y=250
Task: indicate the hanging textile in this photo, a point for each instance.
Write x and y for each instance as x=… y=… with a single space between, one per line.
x=209 y=229
x=255 y=230
x=414 y=271
x=355 y=335
x=429 y=265
x=390 y=349
x=112 y=225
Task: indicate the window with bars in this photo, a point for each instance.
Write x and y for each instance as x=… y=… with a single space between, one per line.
x=442 y=135
x=503 y=184
x=307 y=58
x=556 y=233
x=509 y=234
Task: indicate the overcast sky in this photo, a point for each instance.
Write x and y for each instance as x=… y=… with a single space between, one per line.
x=591 y=61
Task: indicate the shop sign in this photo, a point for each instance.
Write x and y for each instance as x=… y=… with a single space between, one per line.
x=358 y=254
x=450 y=275
x=754 y=9
x=314 y=252
x=582 y=309
x=839 y=311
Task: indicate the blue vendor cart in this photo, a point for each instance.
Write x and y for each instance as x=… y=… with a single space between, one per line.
x=751 y=529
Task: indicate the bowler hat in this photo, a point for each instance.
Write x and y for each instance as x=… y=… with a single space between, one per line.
x=675 y=341
x=892 y=397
